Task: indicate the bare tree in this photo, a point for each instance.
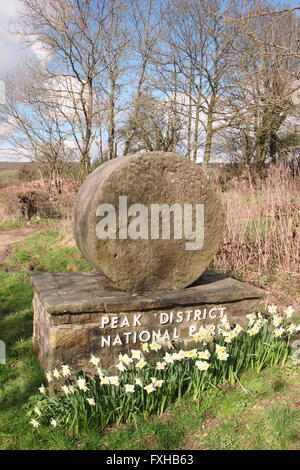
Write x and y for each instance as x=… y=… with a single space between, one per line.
x=71 y=32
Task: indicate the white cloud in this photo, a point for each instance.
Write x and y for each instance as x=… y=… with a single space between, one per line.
x=12 y=51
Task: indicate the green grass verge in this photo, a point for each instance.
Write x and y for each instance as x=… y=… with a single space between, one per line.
x=45 y=252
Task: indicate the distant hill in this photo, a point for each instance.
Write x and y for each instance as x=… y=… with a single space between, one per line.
x=4 y=166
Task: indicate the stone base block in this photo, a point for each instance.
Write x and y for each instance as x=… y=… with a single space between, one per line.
x=79 y=314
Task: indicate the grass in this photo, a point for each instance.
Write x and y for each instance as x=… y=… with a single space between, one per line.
x=258 y=413
x=45 y=252
x=33 y=222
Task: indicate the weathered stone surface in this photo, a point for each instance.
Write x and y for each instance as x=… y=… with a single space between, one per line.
x=150 y=178
x=65 y=332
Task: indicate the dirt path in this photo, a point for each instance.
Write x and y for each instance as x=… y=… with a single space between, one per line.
x=7 y=237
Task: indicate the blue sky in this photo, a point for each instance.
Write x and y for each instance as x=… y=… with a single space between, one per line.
x=12 y=52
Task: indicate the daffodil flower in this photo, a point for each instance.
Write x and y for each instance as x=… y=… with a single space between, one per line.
x=42 y=390
x=114 y=380
x=53 y=423
x=37 y=411
x=65 y=389
x=154 y=346
x=129 y=388
x=191 y=354
x=138 y=382
x=49 y=377
x=222 y=355
x=204 y=354
x=104 y=381
x=34 y=423
x=272 y=309
x=141 y=364
x=94 y=360
x=56 y=374
x=160 y=366
x=91 y=401
x=136 y=354
x=82 y=384
x=120 y=366
x=289 y=312
x=149 y=388
x=202 y=365
x=65 y=370
x=253 y=331
x=279 y=332
x=125 y=359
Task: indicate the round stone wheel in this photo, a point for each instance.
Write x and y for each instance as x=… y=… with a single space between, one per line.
x=147 y=264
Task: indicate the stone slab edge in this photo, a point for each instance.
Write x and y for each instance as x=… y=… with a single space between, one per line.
x=93 y=292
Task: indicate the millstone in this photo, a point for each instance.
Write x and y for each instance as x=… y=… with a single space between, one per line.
x=145 y=264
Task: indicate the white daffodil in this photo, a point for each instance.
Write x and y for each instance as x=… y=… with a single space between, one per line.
x=160 y=366
x=238 y=328
x=53 y=423
x=120 y=366
x=91 y=401
x=138 y=382
x=114 y=380
x=104 y=381
x=49 y=377
x=65 y=389
x=37 y=411
x=149 y=388
x=72 y=389
x=145 y=347
x=129 y=388
x=65 y=370
x=191 y=354
x=253 y=331
x=278 y=332
x=155 y=346
x=277 y=320
x=82 y=384
x=100 y=372
x=136 y=354
x=272 y=309
x=289 y=312
x=202 y=365
x=169 y=358
x=181 y=355
x=42 y=390
x=210 y=329
x=224 y=322
x=251 y=319
x=202 y=333
x=158 y=383
x=230 y=336
x=56 y=374
x=125 y=359
x=220 y=348
x=34 y=423
x=204 y=354
x=222 y=355
x=291 y=328
x=141 y=364
x=94 y=360
x=260 y=323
